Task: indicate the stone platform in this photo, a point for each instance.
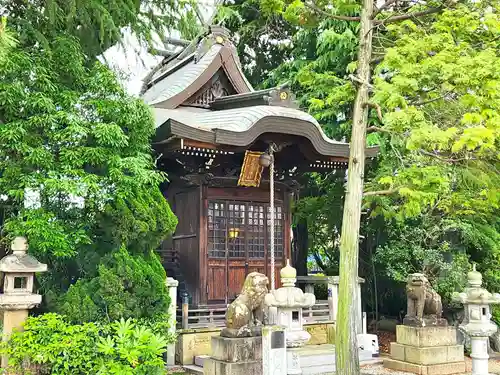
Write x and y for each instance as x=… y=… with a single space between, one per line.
x=426 y=351
x=318 y=359
x=234 y=356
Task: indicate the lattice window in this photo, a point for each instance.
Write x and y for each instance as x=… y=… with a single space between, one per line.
x=217 y=229
x=256 y=231
x=236 y=230
x=278 y=230
x=239 y=228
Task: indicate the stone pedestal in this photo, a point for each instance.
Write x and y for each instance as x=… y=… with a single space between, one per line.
x=426 y=351
x=234 y=356
x=274 y=350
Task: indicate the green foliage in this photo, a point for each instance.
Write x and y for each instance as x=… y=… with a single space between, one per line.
x=422 y=246
x=6 y=40
x=78 y=178
x=51 y=345
x=435 y=197
x=436 y=87
x=125 y=286
x=263 y=35
x=99 y=24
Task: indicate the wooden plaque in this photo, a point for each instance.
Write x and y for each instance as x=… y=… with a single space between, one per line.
x=251 y=171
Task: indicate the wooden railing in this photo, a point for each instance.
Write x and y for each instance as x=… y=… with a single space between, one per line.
x=209 y=317
x=213 y=317
x=320 y=312
x=168 y=256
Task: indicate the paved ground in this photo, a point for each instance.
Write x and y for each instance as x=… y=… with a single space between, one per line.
x=378 y=369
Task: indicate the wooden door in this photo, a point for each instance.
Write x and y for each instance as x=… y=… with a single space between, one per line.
x=238 y=243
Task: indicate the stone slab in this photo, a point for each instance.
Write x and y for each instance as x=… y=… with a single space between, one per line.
x=310 y=356
x=215 y=367
x=193 y=370
x=240 y=349
x=321 y=333
x=426 y=336
x=200 y=359
x=193 y=342
x=431 y=355
x=439 y=369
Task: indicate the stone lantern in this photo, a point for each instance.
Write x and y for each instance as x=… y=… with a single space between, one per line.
x=289 y=302
x=477 y=323
x=18 y=270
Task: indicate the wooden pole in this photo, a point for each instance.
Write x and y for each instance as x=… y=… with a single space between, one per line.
x=346 y=351
x=271 y=209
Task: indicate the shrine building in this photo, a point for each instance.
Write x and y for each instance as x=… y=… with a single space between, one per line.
x=212 y=128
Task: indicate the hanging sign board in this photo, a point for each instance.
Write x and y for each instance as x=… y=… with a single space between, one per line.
x=251 y=171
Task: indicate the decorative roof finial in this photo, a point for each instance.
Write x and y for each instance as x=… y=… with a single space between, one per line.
x=288 y=275
x=474 y=278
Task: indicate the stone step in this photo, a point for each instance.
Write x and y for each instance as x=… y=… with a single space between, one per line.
x=199 y=360
x=319 y=370
x=323 y=366
x=193 y=369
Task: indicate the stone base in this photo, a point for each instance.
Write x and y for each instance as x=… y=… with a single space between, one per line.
x=428 y=321
x=426 y=351
x=431 y=355
x=426 y=336
x=236 y=349
x=234 y=356
x=438 y=369
x=215 y=367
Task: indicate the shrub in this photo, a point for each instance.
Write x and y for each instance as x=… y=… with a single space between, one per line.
x=126 y=286
x=49 y=344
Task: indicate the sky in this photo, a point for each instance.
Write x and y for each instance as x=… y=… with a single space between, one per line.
x=134 y=61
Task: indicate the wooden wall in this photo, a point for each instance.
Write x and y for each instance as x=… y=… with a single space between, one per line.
x=186 y=240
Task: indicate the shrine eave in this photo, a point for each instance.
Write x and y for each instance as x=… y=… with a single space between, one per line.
x=242 y=127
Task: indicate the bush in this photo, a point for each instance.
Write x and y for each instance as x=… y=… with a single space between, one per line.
x=51 y=345
x=126 y=286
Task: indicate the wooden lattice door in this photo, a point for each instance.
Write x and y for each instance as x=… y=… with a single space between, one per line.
x=238 y=243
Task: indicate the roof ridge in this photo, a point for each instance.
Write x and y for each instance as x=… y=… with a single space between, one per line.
x=210 y=33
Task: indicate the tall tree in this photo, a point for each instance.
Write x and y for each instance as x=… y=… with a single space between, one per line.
x=408 y=182
x=100 y=24
x=76 y=169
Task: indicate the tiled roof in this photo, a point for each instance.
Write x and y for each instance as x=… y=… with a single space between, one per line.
x=242 y=126
x=180 y=79
x=186 y=73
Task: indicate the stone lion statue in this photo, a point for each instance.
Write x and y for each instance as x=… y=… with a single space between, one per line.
x=245 y=316
x=424 y=303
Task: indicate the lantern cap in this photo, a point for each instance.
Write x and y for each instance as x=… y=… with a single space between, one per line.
x=19 y=261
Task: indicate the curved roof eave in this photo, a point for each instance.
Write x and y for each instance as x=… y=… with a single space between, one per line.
x=242 y=128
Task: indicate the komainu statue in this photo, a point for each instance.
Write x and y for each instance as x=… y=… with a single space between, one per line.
x=424 y=303
x=245 y=316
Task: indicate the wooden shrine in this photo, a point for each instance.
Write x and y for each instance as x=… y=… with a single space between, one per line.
x=208 y=118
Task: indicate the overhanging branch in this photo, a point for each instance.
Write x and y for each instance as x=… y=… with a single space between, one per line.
x=391 y=19
x=402 y=17
x=380 y=192
x=444 y=159
x=318 y=10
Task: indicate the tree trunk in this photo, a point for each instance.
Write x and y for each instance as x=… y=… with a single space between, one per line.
x=348 y=319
